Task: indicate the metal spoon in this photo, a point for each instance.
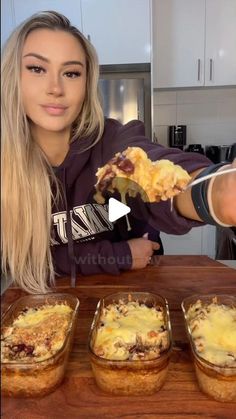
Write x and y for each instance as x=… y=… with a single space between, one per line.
x=211 y=175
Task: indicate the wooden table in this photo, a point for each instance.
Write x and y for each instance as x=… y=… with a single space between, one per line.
x=174 y=277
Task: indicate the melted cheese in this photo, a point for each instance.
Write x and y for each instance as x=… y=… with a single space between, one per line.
x=32 y=317
x=216 y=331
x=36 y=334
x=154 y=181
x=121 y=331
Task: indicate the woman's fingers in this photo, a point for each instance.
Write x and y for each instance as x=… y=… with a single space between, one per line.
x=155 y=246
x=142 y=250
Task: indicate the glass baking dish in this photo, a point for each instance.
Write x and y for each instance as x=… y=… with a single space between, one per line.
x=131 y=377
x=22 y=379
x=215 y=380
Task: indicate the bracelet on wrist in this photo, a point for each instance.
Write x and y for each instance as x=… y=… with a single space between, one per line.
x=202 y=196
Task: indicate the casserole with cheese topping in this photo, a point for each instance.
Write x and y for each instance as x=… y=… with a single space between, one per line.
x=36 y=334
x=211 y=326
x=36 y=338
x=131 y=331
x=130 y=343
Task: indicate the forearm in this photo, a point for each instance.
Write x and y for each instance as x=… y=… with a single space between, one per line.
x=223 y=195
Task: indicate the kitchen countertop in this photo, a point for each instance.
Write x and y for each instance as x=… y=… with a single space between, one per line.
x=230 y=263
x=174 y=277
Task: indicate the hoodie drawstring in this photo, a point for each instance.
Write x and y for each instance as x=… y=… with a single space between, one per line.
x=69 y=235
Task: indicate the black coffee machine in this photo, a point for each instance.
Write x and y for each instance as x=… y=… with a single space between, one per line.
x=177 y=136
x=195 y=148
x=221 y=153
x=232 y=152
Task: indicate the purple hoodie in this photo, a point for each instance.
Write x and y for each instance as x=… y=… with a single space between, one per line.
x=90 y=243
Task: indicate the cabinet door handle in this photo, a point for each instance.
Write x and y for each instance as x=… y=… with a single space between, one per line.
x=198 y=69
x=211 y=68
x=89 y=38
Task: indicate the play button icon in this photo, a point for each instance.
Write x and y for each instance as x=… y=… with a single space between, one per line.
x=116 y=209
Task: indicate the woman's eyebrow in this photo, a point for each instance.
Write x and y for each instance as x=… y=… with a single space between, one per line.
x=73 y=62
x=40 y=57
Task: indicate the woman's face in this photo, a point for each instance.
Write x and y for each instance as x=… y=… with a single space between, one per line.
x=53 y=79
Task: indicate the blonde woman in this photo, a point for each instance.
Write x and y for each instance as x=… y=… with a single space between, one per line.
x=54 y=138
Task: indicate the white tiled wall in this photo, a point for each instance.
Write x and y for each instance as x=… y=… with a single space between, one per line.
x=209 y=113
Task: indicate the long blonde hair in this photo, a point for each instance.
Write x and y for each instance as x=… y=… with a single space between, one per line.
x=26 y=175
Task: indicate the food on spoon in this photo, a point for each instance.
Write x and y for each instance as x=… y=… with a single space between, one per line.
x=133 y=172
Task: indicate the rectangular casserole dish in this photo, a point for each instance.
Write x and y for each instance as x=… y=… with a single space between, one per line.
x=131 y=376
x=213 y=347
x=29 y=379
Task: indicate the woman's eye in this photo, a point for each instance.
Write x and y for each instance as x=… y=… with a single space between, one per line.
x=72 y=74
x=35 y=69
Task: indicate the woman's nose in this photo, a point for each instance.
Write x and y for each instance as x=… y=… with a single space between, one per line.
x=55 y=86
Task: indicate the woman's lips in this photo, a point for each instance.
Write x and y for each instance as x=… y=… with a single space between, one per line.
x=54 y=109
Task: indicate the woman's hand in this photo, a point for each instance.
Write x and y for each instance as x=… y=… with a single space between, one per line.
x=224 y=197
x=141 y=250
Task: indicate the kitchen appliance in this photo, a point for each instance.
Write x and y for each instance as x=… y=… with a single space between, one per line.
x=177 y=136
x=195 y=148
x=221 y=153
x=225 y=243
x=126 y=93
x=232 y=152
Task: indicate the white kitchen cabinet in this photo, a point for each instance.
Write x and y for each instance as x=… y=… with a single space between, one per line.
x=178 y=43
x=22 y=9
x=119 y=29
x=199 y=241
x=220 y=56
x=194 y=43
x=7 y=22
